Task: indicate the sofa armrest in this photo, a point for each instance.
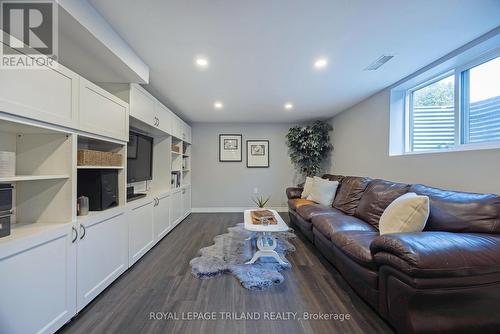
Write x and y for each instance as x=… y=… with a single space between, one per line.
x=294 y=192
x=439 y=254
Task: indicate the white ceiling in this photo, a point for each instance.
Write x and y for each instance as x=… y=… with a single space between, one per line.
x=261 y=51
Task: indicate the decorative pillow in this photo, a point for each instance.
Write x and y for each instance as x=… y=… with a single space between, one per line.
x=407 y=213
x=323 y=191
x=307 y=187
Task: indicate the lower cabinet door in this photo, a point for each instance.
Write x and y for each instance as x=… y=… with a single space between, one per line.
x=186 y=201
x=176 y=206
x=162 y=216
x=102 y=256
x=141 y=230
x=37 y=293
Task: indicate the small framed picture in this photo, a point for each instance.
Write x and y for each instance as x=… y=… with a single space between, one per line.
x=230 y=147
x=257 y=153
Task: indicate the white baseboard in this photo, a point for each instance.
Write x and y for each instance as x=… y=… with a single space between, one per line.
x=234 y=209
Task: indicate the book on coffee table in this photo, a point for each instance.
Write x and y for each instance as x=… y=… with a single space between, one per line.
x=259 y=216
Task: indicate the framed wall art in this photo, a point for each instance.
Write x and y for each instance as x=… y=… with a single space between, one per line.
x=257 y=153
x=230 y=147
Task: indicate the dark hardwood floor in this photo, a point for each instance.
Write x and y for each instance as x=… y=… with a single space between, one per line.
x=162 y=282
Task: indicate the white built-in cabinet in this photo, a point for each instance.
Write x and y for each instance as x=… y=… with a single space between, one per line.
x=55 y=263
x=165 y=118
x=38 y=283
x=102 y=245
x=161 y=216
x=102 y=112
x=176 y=213
x=186 y=200
x=48 y=95
x=141 y=229
x=143 y=106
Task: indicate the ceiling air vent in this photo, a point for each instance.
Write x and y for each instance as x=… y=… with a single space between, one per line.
x=379 y=62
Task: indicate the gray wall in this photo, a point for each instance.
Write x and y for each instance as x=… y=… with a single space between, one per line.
x=231 y=184
x=361 y=145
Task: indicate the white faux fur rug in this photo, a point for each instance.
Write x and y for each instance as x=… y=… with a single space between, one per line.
x=230 y=252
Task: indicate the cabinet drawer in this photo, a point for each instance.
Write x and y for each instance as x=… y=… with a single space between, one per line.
x=101 y=112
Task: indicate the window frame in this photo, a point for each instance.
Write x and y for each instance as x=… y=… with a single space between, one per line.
x=460 y=106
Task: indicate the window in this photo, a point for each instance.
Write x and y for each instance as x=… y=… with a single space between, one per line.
x=481 y=102
x=432 y=116
x=457 y=109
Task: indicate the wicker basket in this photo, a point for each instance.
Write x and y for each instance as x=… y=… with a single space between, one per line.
x=89 y=158
x=176 y=148
x=111 y=159
x=98 y=158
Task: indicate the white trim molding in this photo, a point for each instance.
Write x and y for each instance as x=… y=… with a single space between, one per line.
x=234 y=209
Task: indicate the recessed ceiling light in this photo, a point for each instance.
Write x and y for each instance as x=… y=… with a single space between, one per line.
x=288 y=106
x=320 y=63
x=201 y=62
x=218 y=105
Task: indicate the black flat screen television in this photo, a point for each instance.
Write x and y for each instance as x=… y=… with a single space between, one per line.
x=139 y=158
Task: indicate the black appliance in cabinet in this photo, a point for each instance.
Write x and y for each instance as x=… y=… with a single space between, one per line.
x=5 y=209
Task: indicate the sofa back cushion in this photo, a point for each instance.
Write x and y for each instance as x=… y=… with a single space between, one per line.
x=323 y=191
x=349 y=194
x=376 y=198
x=455 y=211
x=332 y=177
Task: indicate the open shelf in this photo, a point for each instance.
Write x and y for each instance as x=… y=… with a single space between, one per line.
x=176 y=153
x=185 y=170
x=19 y=178
x=99 y=167
x=104 y=214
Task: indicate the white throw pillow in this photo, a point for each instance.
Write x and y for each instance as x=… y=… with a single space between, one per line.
x=323 y=191
x=407 y=213
x=307 y=187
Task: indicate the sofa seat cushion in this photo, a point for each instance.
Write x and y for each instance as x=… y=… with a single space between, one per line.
x=349 y=194
x=309 y=211
x=439 y=254
x=333 y=223
x=376 y=198
x=455 y=211
x=356 y=245
x=296 y=203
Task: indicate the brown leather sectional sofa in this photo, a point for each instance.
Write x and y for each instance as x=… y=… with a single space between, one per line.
x=445 y=279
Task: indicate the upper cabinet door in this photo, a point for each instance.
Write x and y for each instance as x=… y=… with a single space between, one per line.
x=187 y=133
x=48 y=95
x=177 y=127
x=164 y=118
x=101 y=112
x=143 y=106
